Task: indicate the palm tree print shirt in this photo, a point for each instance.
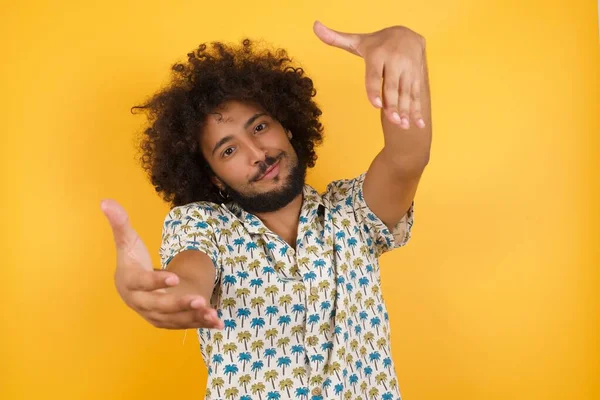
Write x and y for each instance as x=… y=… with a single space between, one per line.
x=303 y=323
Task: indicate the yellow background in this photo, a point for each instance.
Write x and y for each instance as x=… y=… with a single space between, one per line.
x=495 y=297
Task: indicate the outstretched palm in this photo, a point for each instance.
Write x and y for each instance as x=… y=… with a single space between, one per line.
x=152 y=294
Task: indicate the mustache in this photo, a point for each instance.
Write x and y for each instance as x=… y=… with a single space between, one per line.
x=264 y=166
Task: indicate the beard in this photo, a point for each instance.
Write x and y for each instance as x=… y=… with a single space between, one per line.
x=275 y=199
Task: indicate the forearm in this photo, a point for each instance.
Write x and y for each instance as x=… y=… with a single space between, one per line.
x=186 y=286
x=408 y=149
x=196 y=273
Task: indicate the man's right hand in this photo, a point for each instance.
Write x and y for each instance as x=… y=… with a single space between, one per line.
x=158 y=296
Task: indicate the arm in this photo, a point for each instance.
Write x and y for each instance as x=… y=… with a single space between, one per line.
x=396 y=55
x=392 y=179
x=196 y=276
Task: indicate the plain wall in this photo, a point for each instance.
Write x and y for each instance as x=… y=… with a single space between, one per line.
x=495 y=297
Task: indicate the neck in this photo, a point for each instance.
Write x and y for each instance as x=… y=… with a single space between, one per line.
x=284 y=222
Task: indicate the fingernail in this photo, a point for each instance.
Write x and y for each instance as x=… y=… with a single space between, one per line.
x=378 y=102
x=396 y=117
x=405 y=123
x=421 y=123
x=171 y=280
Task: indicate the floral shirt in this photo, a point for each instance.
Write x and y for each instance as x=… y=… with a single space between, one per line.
x=304 y=323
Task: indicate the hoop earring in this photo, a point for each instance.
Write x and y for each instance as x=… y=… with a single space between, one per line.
x=221 y=194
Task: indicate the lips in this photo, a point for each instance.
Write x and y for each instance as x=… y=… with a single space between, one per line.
x=271 y=168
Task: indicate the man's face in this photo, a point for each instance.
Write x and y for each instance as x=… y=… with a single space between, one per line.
x=252 y=157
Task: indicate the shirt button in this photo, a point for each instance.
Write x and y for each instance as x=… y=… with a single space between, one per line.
x=316 y=391
x=314 y=291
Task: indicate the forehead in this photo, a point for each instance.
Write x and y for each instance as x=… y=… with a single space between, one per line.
x=226 y=120
x=232 y=114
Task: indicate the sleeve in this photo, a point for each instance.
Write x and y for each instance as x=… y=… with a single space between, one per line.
x=377 y=234
x=186 y=228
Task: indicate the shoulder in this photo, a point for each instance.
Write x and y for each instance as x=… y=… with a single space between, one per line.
x=343 y=191
x=199 y=210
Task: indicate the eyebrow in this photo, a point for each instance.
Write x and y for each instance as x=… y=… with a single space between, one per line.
x=227 y=138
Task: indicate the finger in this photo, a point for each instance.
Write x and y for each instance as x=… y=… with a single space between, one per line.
x=168 y=303
x=186 y=320
x=346 y=41
x=131 y=251
x=123 y=233
x=416 y=112
x=142 y=280
x=212 y=318
x=373 y=75
x=405 y=97
x=181 y=321
x=391 y=77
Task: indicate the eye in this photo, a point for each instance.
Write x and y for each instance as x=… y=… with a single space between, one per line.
x=227 y=152
x=264 y=125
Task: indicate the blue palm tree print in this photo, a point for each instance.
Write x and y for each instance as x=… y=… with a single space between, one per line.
x=230 y=370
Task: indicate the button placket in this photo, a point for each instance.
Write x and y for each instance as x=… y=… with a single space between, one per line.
x=320 y=349
x=282 y=263
x=310 y=344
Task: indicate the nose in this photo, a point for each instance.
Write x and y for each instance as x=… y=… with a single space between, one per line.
x=256 y=152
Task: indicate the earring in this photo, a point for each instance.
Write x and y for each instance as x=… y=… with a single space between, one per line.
x=222 y=195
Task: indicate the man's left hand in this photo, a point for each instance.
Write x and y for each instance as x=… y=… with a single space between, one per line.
x=396 y=54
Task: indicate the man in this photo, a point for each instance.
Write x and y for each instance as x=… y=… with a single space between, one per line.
x=281 y=282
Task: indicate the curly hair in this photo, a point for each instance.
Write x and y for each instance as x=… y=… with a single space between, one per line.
x=214 y=74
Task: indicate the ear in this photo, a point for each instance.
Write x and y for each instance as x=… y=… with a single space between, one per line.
x=289 y=133
x=216 y=181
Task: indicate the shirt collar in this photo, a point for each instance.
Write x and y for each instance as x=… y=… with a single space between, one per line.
x=311 y=202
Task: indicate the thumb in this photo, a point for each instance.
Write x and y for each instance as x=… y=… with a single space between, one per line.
x=344 y=41
x=123 y=233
